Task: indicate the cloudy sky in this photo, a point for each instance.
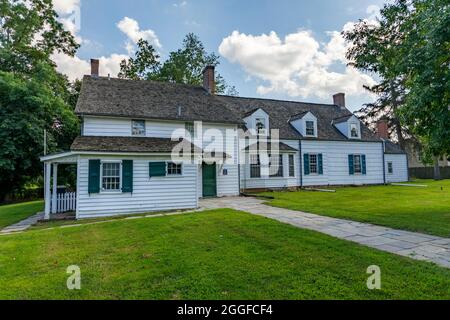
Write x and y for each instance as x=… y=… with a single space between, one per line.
x=280 y=49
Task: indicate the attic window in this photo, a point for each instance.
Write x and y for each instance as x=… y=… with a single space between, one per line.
x=260 y=124
x=138 y=128
x=310 y=131
x=354 y=131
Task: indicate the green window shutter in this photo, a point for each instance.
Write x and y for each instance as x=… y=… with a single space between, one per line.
x=157 y=169
x=94 y=176
x=320 y=160
x=351 y=168
x=306 y=163
x=363 y=163
x=127 y=176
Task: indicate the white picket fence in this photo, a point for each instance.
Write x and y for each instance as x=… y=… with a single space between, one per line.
x=66 y=202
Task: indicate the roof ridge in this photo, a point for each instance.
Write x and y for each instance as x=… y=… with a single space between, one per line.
x=278 y=100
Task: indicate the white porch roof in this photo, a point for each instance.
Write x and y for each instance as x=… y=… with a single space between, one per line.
x=63 y=157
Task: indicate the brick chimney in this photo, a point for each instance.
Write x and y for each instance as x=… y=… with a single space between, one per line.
x=209 y=82
x=383 y=129
x=339 y=100
x=95 y=67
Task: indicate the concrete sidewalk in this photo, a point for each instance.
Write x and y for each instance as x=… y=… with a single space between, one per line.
x=24 y=224
x=410 y=244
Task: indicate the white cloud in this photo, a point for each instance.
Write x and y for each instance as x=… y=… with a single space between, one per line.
x=131 y=28
x=180 y=5
x=63 y=7
x=76 y=68
x=297 y=65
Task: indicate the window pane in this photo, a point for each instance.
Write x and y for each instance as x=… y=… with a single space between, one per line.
x=174 y=168
x=189 y=127
x=276 y=163
x=354 y=131
x=310 y=128
x=111 y=176
x=313 y=163
x=138 y=128
x=357 y=164
x=291 y=166
x=255 y=166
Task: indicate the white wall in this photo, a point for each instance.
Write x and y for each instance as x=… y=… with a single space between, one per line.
x=149 y=194
x=335 y=162
x=400 y=166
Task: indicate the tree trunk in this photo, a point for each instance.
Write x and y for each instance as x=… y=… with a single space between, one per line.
x=437 y=170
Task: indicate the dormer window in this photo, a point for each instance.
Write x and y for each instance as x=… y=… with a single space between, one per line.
x=310 y=128
x=354 y=130
x=260 y=124
x=138 y=128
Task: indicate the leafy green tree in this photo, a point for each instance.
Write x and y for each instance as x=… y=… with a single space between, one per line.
x=182 y=66
x=33 y=95
x=409 y=50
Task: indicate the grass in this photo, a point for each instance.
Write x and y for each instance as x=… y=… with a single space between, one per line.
x=13 y=213
x=424 y=210
x=220 y=254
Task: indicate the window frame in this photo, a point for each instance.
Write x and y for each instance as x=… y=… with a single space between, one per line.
x=313 y=128
x=264 y=122
x=316 y=155
x=280 y=172
x=255 y=165
x=355 y=156
x=103 y=190
x=291 y=165
x=174 y=174
x=143 y=134
x=357 y=128
x=390 y=167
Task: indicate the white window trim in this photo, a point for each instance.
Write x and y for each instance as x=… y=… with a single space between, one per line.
x=358 y=128
x=264 y=120
x=361 y=164
x=282 y=167
x=145 y=128
x=392 y=165
x=174 y=175
x=314 y=128
x=250 y=167
x=289 y=166
x=101 y=176
x=317 y=159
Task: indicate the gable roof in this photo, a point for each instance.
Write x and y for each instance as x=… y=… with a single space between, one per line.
x=343 y=119
x=151 y=100
x=102 y=96
x=281 y=113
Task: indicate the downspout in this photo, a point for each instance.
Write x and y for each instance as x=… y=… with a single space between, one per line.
x=383 y=149
x=300 y=162
x=407 y=167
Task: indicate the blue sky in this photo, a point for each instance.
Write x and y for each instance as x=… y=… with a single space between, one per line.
x=302 y=59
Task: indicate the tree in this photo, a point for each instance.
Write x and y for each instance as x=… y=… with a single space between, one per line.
x=27 y=107
x=409 y=50
x=33 y=95
x=182 y=66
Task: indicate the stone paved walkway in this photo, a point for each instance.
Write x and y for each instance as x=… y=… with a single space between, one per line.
x=410 y=244
x=24 y=224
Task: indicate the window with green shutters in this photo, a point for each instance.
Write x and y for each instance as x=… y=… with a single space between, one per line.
x=157 y=169
x=313 y=163
x=357 y=164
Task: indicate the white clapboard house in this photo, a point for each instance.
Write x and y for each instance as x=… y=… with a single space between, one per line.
x=131 y=130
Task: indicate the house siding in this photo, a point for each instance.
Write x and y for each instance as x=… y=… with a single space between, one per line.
x=335 y=163
x=400 y=166
x=149 y=194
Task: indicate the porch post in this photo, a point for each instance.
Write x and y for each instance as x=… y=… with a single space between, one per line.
x=55 y=185
x=48 y=168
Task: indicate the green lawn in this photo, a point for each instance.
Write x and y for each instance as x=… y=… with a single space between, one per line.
x=13 y=213
x=424 y=210
x=220 y=254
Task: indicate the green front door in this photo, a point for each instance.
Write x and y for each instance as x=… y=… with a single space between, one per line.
x=209 y=180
